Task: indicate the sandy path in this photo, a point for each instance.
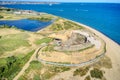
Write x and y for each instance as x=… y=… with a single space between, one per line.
x=27 y=64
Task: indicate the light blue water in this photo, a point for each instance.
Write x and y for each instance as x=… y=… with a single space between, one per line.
x=100 y=16
x=26 y=24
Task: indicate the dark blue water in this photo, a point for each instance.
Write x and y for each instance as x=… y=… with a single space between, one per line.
x=104 y=17
x=26 y=24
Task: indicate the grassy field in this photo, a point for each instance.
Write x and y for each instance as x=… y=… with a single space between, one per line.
x=12 y=42
x=62 y=24
x=41 y=71
x=10 y=66
x=43 y=40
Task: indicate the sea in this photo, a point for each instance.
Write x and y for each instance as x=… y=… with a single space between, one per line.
x=104 y=17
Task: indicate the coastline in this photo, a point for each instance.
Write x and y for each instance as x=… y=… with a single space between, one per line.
x=112 y=51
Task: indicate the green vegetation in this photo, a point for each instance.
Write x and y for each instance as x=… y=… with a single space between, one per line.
x=87 y=78
x=48 y=48
x=12 y=42
x=65 y=25
x=91 y=46
x=104 y=62
x=59 y=69
x=10 y=66
x=81 y=71
x=36 y=77
x=47 y=71
x=70 y=24
x=4 y=26
x=44 y=19
x=43 y=40
x=1 y=17
x=96 y=73
x=35 y=65
x=56 y=27
x=52 y=70
x=5 y=9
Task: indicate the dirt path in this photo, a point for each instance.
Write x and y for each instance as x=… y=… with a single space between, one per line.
x=27 y=64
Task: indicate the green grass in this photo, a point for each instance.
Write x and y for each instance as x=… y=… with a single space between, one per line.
x=44 y=19
x=96 y=73
x=43 y=40
x=57 y=69
x=34 y=65
x=104 y=62
x=48 y=48
x=37 y=77
x=10 y=66
x=75 y=24
x=1 y=17
x=87 y=78
x=81 y=71
x=66 y=25
x=37 y=67
x=12 y=42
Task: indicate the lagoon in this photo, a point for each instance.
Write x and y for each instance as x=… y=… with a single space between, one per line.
x=26 y=24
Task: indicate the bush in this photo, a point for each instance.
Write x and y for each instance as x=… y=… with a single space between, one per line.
x=12 y=65
x=36 y=77
x=96 y=73
x=59 y=69
x=1 y=17
x=81 y=71
x=87 y=78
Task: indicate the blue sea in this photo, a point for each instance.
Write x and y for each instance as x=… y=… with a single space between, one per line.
x=104 y=17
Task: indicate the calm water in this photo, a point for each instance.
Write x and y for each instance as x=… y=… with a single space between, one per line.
x=25 y=24
x=100 y=16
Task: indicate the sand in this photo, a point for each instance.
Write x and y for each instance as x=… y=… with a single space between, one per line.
x=113 y=52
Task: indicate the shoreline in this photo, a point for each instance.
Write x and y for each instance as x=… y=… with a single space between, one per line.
x=94 y=31
x=112 y=51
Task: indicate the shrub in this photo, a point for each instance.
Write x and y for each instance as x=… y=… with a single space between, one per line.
x=59 y=69
x=12 y=65
x=36 y=77
x=87 y=78
x=96 y=73
x=81 y=71
x=1 y=17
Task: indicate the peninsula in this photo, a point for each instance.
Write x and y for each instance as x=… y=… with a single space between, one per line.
x=63 y=50
x=25 y=2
